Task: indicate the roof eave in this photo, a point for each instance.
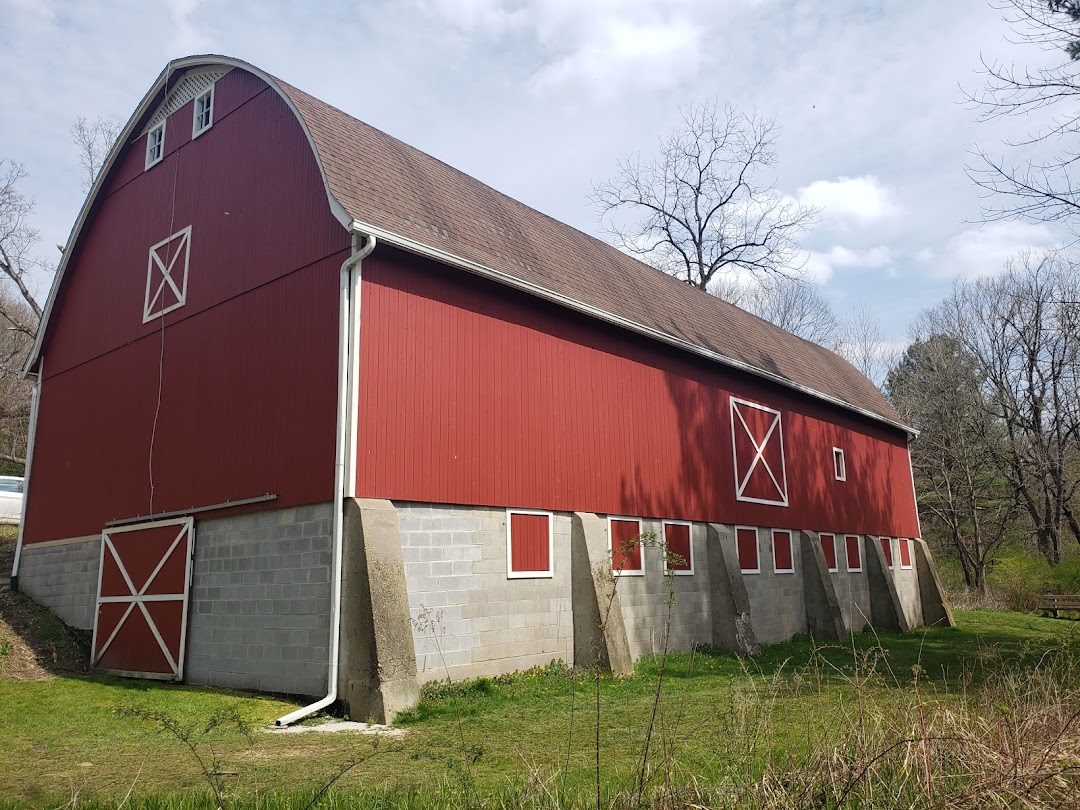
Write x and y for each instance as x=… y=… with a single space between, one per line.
x=445 y=257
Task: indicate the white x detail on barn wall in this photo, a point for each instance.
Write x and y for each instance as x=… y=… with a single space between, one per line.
x=167 y=275
x=766 y=438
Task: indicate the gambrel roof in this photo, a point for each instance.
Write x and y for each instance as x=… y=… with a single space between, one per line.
x=414 y=201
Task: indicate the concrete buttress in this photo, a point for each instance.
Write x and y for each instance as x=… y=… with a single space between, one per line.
x=377 y=677
x=599 y=629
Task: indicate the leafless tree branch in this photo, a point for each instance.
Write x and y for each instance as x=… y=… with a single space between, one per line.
x=702 y=209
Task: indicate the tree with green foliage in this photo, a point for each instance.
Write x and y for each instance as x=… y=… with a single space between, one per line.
x=966 y=503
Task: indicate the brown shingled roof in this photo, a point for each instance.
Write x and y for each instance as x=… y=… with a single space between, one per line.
x=383 y=182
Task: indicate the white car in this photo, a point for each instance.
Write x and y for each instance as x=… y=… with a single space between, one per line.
x=11 y=498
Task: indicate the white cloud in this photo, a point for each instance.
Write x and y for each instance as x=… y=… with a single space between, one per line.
x=925 y=255
x=602 y=48
x=491 y=17
x=627 y=56
x=820 y=266
x=983 y=250
x=862 y=199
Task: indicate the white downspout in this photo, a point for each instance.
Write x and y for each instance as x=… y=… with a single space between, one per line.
x=350 y=280
x=35 y=398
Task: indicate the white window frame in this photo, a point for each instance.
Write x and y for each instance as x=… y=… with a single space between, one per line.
x=910 y=553
x=623 y=572
x=161 y=146
x=839 y=464
x=791 y=546
x=777 y=424
x=847 y=557
x=196 y=130
x=179 y=290
x=757 y=549
x=663 y=528
x=510 y=572
x=836 y=559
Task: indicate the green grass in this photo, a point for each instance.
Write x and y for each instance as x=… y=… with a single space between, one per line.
x=494 y=738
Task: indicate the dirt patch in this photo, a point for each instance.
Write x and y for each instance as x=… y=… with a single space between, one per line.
x=34 y=644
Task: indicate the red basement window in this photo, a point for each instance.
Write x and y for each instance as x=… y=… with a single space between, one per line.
x=624 y=539
x=905 y=552
x=677 y=543
x=886 y=548
x=854 y=553
x=746 y=541
x=828 y=548
x=529 y=544
x=783 y=558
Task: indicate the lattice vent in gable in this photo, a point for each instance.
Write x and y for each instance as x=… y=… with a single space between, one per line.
x=190 y=86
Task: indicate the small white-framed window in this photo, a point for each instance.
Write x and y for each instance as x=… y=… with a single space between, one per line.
x=828 y=548
x=853 y=547
x=155 y=145
x=530 y=544
x=746 y=544
x=625 y=545
x=783 y=552
x=678 y=541
x=839 y=465
x=203 y=117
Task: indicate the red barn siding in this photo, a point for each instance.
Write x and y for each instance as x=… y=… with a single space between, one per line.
x=249 y=363
x=471 y=393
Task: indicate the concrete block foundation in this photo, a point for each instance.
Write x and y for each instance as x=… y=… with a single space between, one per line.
x=426 y=595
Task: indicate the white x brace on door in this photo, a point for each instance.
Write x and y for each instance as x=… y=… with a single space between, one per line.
x=140 y=626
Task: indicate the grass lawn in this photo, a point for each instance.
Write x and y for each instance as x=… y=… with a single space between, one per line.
x=720 y=719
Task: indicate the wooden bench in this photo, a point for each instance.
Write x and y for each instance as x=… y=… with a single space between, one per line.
x=1053 y=602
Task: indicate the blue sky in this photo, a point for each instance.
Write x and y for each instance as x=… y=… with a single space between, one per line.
x=539 y=98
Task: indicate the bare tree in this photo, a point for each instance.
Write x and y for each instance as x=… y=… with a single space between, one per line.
x=702 y=209
x=17 y=240
x=93 y=139
x=861 y=341
x=1041 y=189
x=1023 y=329
x=966 y=503
x=795 y=305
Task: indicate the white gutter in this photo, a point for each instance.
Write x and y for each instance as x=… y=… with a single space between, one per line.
x=35 y=398
x=344 y=461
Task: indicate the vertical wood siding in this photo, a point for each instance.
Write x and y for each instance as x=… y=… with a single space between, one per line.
x=471 y=393
x=248 y=382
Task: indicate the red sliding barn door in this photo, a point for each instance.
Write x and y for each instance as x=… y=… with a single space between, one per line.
x=141 y=619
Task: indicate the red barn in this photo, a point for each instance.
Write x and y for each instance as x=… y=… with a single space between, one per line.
x=315 y=410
